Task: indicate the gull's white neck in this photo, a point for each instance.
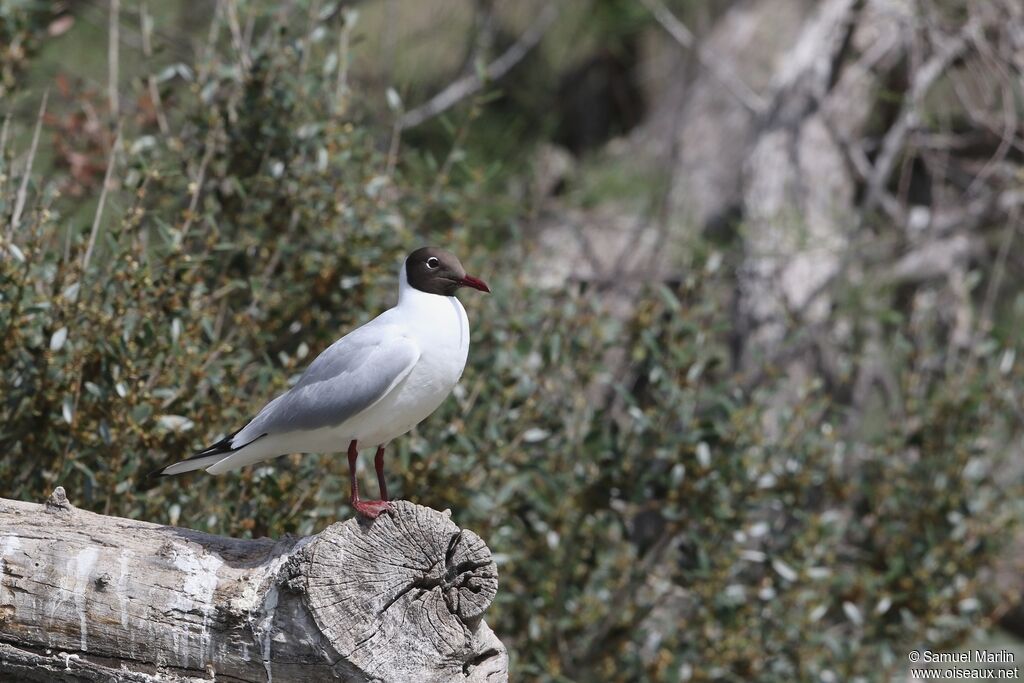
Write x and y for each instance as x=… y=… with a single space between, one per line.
x=435 y=317
x=410 y=296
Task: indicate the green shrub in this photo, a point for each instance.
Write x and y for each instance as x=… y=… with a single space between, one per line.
x=655 y=514
x=22 y=24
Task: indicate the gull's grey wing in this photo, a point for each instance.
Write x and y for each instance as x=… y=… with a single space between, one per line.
x=350 y=375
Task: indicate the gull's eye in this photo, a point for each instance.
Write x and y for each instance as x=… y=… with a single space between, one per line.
x=432 y=262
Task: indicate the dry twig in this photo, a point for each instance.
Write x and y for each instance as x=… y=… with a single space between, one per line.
x=19 y=202
x=715 y=65
x=341 y=89
x=470 y=84
x=113 y=47
x=146 y=21
x=193 y=202
x=895 y=139
x=102 y=202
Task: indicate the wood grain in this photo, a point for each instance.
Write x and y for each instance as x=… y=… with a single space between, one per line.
x=95 y=598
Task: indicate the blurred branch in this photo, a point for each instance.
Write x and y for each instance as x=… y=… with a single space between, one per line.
x=237 y=39
x=1007 y=135
x=102 y=201
x=618 y=605
x=113 y=47
x=483 y=35
x=19 y=203
x=460 y=138
x=341 y=89
x=470 y=84
x=146 y=23
x=995 y=283
x=211 y=42
x=313 y=16
x=176 y=42
x=4 y=131
x=197 y=189
x=856 y=160
x=893 y=143
x=743 y=93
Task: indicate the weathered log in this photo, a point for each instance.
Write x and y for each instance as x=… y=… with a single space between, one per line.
x=89 y=597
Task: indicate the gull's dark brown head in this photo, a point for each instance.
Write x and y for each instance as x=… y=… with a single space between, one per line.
x=436 y=271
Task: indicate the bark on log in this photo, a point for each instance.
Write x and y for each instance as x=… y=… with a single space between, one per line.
x=84 y=597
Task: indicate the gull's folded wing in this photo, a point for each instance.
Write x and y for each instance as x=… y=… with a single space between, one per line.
x=350 y=376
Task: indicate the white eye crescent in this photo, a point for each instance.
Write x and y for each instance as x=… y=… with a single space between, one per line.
x=432 y=262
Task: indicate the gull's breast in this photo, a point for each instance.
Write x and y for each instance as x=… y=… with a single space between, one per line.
x=442 y=332
x=443 y=338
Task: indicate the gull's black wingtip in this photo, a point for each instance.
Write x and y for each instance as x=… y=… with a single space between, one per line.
x=158 y=473
x=221 y=447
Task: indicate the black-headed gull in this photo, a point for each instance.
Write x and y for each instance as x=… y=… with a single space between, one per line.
x=375 y=383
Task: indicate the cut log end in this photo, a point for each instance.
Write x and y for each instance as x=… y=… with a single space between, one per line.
x=408 y=582
x=396 y=599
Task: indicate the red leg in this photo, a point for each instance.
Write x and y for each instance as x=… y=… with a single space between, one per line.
x=378 y=464
x=368 y=508
x=353 y=455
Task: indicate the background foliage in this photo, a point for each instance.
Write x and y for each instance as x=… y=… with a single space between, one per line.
x=658 y=513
